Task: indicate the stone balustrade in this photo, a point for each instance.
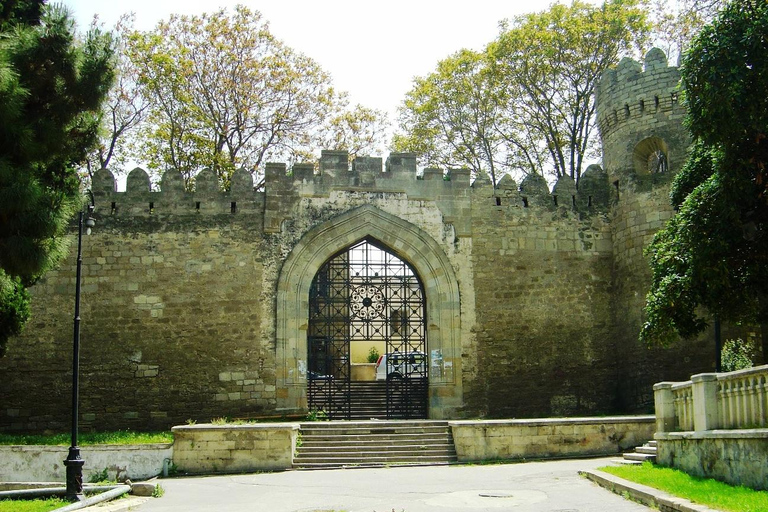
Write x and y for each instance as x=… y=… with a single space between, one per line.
x=709 y=401
x=716 y=425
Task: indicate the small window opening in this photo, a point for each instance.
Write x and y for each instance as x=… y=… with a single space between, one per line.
x=151 y=208
x=589 y=202
x=656 y=100
x=114 y=208
x=573 y=201
x=525 y=202
x=233 y=207
x=498 y=201
x=555 y=199
x=197 y=206
x=626 y=110
x=642 y=105
x=674 y=97
x=616 y=184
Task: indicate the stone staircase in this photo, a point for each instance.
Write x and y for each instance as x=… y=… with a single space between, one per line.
x=367 y=400
x=340 y=444
x=647 y=452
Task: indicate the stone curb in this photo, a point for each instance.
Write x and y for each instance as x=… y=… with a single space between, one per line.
x=648 y=496
x=121 y=505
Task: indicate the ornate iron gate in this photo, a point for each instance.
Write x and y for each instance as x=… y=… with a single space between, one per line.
x=367 y=294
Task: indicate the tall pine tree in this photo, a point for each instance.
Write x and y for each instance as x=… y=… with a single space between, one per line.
x=51 y=89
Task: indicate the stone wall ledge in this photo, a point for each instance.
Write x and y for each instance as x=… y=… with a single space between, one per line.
x=543 y=438
x=743 y=433
x=44 y=463
x=535 y=422
x=232 y=448
x=738 y=456
x=209 y=427
x=43 y=448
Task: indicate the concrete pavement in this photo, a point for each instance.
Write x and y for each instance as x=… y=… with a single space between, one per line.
x=548 y=486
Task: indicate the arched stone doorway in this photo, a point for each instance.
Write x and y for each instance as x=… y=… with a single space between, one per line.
x=367 y=300
x=407 y=242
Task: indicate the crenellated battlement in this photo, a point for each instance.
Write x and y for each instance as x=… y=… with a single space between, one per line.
x=633 y=90
x=369 y=177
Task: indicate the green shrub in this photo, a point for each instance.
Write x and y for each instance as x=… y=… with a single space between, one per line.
x=737 y=355
x=373 y=355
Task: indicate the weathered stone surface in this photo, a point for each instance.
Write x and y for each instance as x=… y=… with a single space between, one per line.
x=143 y=489
x=523 y=439
x=234 y=448
x=195 y=303
x=739 y=457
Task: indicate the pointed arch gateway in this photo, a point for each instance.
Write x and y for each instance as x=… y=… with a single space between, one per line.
x=408 y=243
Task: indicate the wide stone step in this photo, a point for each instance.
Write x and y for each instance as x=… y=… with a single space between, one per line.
x=334 y=450
x=372 y=453
x=378 y=441
x=376 y=459
x=362 y=465
x=356 y=427
x=650 y=450
x=374 y=443
x=640 y=457
x=376 y=436
x=383 y=424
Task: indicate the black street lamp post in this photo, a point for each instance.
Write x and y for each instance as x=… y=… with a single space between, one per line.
x=73 y=462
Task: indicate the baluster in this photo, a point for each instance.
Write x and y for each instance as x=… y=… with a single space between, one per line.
x=734 y=413
x=721 y=402
x=751 y=401
x=744 y=420
x=762 y=400
x=690 y=408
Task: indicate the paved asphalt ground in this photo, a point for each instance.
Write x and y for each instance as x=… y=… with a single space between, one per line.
x=550 y=486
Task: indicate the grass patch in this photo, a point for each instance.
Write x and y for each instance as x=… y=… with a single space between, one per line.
x=704 y=491
x=45 y=505
x=90 y=438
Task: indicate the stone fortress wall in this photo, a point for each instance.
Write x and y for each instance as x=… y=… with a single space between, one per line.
x=194 y=303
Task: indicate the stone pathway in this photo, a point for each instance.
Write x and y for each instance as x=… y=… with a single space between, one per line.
x=550 y=486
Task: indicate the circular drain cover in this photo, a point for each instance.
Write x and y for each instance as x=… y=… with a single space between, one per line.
x=487 y=498
x=496 y=495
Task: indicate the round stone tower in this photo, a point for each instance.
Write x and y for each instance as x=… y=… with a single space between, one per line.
x=644 y=145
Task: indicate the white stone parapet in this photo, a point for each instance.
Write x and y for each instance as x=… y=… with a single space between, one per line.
x=734 y=400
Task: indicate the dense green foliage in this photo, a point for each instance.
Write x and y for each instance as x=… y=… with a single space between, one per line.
x=712 y=257
x=737 y=355
x=704 y=491
x=51 y=88
x=526 y=103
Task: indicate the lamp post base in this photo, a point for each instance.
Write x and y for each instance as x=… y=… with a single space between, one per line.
x=74 y=466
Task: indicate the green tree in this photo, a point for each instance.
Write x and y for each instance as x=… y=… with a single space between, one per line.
x=676 y=23
x=711 y=260
x=123 y=111
x=526 y=103
x=357 y=129
x=450 y=117
x=225 y=94
x=552 y=62
x=51 y=88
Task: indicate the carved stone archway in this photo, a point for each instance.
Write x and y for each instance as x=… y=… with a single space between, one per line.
x=409 y=243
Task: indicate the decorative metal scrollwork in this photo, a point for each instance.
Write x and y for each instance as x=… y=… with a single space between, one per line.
x=367 y=302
